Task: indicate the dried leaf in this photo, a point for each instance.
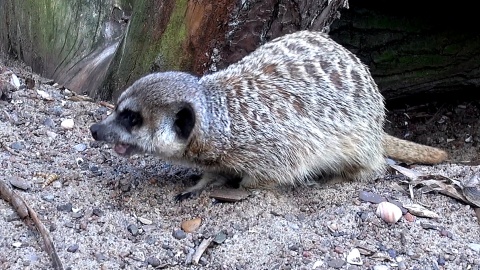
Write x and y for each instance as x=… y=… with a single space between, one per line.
x=420 y=211
x=411 y=174
x=44 y=95
x=80 y=98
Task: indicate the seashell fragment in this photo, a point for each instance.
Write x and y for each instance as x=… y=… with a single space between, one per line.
x=389 y=212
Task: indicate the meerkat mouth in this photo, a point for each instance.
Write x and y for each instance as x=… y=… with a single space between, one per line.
x=124 y=149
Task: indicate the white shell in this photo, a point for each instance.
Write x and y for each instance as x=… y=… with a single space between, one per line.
x=354 y=257
x=44 y=95
x=389 y=212
x=67 y=124
x=15 y=81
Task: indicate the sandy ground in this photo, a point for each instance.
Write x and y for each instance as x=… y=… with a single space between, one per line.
x=106 y=212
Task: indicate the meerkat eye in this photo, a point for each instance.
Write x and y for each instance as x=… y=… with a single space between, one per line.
x=130 y=119
x=184 y=122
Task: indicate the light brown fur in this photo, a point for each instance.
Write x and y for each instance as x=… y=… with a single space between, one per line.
x=411 y=152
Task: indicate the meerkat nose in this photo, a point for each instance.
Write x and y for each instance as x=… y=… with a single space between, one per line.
x=94 y=129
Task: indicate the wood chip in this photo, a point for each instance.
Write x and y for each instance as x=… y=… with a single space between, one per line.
x=106 y=104
x=420 y=211
x=145 y=221
x=201 y=249
x=191 y=225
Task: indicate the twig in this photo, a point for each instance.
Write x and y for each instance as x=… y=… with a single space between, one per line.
x=106 y=104
x=24 y=210
x=80 y=98
x=477 y=213
x=8 y=149
x=201 y=249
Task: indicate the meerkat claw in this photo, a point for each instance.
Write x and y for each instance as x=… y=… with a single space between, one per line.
x=184 y=196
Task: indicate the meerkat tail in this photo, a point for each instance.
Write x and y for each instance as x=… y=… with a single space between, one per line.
x=411 y=152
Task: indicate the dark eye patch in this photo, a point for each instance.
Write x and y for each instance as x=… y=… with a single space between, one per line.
x=129 y=119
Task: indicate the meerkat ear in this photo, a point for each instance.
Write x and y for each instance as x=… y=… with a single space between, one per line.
x=184 y=121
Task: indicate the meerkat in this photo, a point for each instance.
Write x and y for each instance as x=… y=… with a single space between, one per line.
x=299 y=106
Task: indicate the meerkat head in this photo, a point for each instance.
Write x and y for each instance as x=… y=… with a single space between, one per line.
x=157 y=114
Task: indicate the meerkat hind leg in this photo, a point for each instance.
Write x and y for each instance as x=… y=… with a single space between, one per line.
x=208 y=177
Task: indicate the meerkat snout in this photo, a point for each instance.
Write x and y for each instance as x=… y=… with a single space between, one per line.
x=94 y=129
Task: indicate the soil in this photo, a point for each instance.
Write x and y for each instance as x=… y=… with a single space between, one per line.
x=108 y=212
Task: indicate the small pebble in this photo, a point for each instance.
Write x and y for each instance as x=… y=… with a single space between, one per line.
x=17 y=244
x=48 y=197
x=409 y=217
x=336 y=263
x=69 y=225
x=317 y=264
x=474 y=247
x=51 y=134
x=30 y=83
x=145 y=221
x=65 y=207
x=95 y=170
x=445 y=233
x=392 y=253
x=133 y=229
x=371 y=197
x=57 y=111
x=150 y=240
x=364 y=216
x=153 y=261
x=294 y=247
x=67 y=124
x=77 y=214
x=49 y=122
x=441 y=260
x=20 y=183
x=73 y=248
x=100 y=257
x=381 y=267
x=57 y=184
x=429 y=226
x=13 y=217
x=97 y=212
x=220 y=238
x=179 y=234
x=17 y=146
x=80 y=147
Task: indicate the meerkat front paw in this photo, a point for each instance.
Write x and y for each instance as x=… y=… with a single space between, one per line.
x=186 y=195
x=206 y=179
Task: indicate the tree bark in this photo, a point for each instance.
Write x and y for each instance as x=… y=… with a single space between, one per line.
x=413 y=51
x=69 y=41
x=102 y=46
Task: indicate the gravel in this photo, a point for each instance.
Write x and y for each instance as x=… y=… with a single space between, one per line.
x=92 y=209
